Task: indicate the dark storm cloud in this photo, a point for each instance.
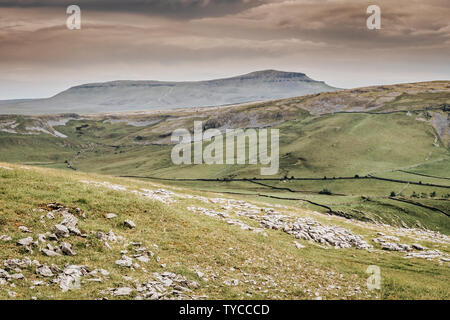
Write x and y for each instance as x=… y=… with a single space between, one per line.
x=171 y=8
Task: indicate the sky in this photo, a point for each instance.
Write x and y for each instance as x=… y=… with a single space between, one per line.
x=182 y=40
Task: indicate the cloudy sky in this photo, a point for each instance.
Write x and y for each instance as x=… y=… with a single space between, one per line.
x=205 y=39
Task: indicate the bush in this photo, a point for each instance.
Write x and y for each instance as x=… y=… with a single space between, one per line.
x=325 y=191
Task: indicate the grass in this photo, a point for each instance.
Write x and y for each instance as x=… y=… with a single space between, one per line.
x=188 y=242
x=330 y=145
x=389 y=145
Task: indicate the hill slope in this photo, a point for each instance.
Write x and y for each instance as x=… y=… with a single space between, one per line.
x=375 y=154
x=60 y=241
x=149 y=95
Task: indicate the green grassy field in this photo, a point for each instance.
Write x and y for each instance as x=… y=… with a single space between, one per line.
x=340 y=145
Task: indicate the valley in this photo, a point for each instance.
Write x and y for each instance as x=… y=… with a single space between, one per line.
x=224 y=158
x=375 y=154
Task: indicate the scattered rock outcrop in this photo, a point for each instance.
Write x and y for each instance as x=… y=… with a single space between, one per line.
x=311 y=230
x=167 y=285
x=390 y=243
x=62 y=228
x=429 y=255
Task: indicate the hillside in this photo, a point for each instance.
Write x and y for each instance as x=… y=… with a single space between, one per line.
x=67 y=235
x=375 y=154
x=119 y=96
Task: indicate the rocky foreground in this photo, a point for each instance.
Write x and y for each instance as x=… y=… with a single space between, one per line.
x=62 y=225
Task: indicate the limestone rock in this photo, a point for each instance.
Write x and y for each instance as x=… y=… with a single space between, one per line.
x=66 y=249
x=25 y=241
x=44 y=271
x=298 y=245
x=125 y=291
x=111 y=215
x=5 y=238
x=4 y=274
x=50 y=253
x=13 y=264
x=24 y=229
x=419 y=247
x=61 y=231
x=125 y=261
x=130 y=224
x=428 y=254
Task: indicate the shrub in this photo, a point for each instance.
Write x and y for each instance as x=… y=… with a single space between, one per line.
x=325 y=191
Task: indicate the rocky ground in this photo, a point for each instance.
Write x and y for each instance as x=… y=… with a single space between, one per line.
x=164 y=285
x=231 y=210
x=62 y=225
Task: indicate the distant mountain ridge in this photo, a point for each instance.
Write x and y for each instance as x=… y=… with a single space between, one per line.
x=127 y=95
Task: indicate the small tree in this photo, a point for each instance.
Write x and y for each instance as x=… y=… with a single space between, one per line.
x=433 y=194
x=392 y=194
